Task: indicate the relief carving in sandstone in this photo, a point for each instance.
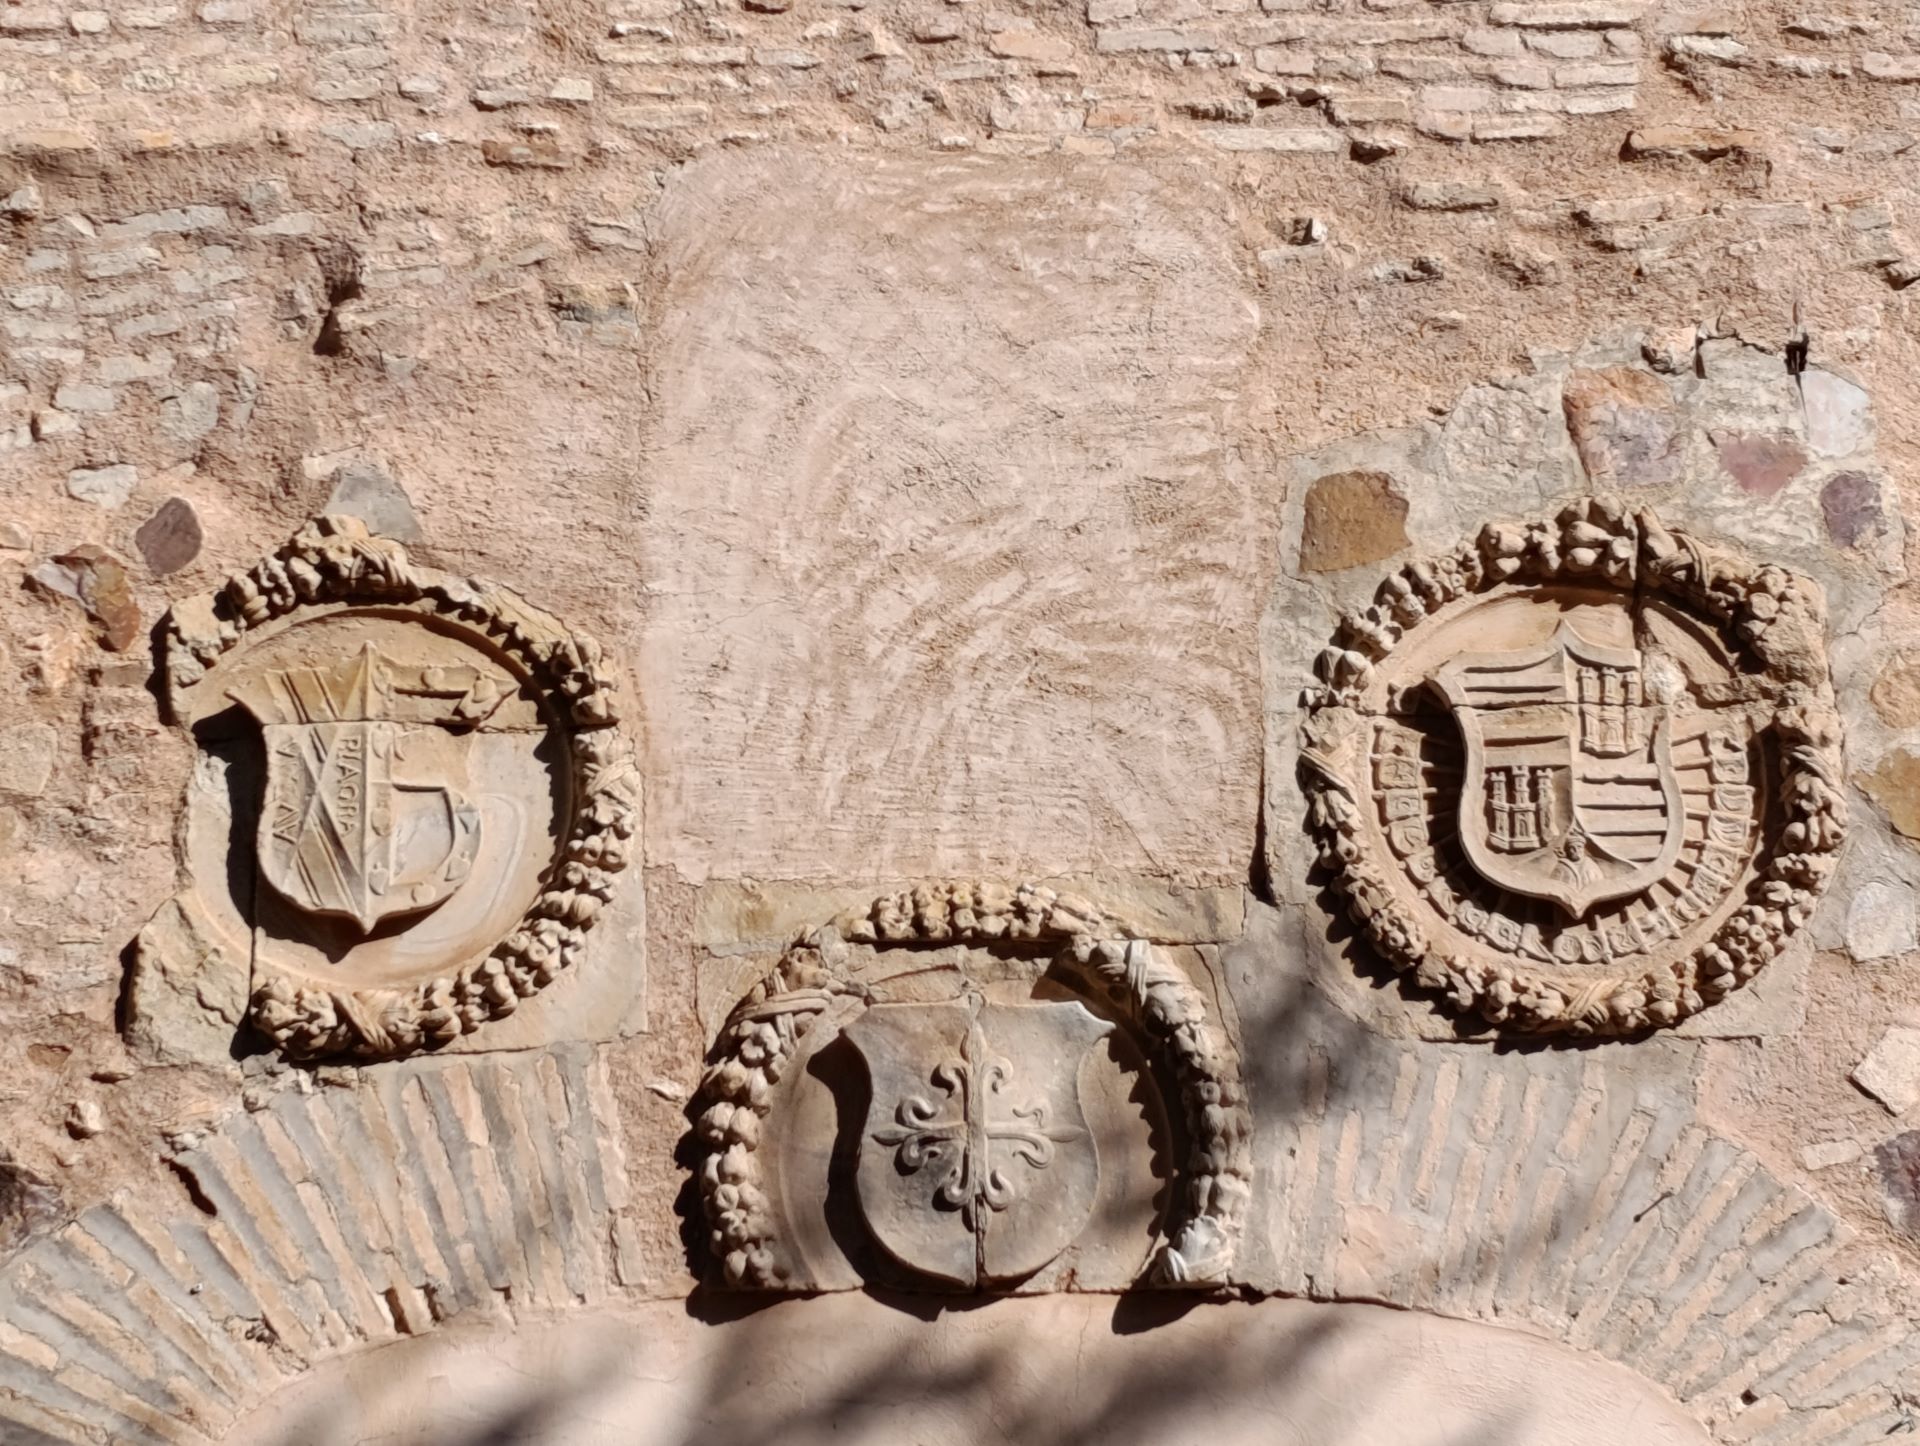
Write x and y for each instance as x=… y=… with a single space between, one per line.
x=975 y=1162
x=1581 y=774
x=425 y=798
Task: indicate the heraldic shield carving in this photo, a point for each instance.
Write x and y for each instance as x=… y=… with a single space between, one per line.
x=945 y=1089
x=1569 y=790
x=1583 y=774
x=360 y=817
x=412 y=800
x=976 y=1165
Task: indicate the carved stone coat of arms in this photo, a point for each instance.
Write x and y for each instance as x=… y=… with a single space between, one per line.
x=1580 y=774
x=443 y=800
x=357 y=819
x=1570 y=792
x=976 y=1164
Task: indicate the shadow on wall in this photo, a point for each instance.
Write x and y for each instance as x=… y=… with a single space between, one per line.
x=1570 y=1192
x=1151 y=1367
x=1064 y=1370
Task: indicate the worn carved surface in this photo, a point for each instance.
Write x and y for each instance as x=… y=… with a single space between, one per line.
x=1581 y=774
x=976 y=1162
x=1155 y=453
x=406 y=718
x=737 y=1107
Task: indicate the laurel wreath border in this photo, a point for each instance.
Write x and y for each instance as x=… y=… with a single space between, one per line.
x=1771 y=616
x=335 y=560
x=763 y=1034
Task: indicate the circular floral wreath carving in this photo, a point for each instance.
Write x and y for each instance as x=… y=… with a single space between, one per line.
x=765 y=1030
x=1770 y=619
x=336 y=561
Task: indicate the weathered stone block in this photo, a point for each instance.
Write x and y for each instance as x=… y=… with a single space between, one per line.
x=27 y=752
x=1891 y=1071
x=171 y=538
x=103 y=486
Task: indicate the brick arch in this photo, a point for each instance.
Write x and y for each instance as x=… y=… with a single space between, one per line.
x=1520 y=1191
x=340 y=1219
x=1553 y=1192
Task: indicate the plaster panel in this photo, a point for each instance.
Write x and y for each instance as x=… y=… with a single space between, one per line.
x=950 y=553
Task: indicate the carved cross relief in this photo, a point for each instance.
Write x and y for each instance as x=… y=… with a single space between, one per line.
x=959 y=1136
x=996 y=1173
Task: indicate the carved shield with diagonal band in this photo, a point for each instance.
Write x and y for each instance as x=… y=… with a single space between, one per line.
x=976 y=1165
x=1570 y=792
x=340 y=833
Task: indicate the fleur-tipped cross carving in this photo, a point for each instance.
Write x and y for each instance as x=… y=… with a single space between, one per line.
x=963 y=1144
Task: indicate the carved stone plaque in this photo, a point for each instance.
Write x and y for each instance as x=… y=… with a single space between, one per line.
x=414 y=797
x=1569 y=791
x=973 y=1134
x=1581 y=774
x=976 y=1165
x=360 y=817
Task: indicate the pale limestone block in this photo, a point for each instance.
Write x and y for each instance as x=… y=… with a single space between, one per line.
x=1826 y=1155
x=26 y=758
x=1838 y=414
x=107 y=487
x=1891 y=1070
x=1881 y=921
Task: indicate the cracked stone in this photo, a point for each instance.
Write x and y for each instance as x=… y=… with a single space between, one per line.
x=97 y=580
x=185 y=992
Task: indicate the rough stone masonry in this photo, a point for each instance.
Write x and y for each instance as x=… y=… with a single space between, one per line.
x=722 y=715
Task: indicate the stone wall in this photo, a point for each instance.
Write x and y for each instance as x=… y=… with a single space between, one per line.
x=921 y=478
